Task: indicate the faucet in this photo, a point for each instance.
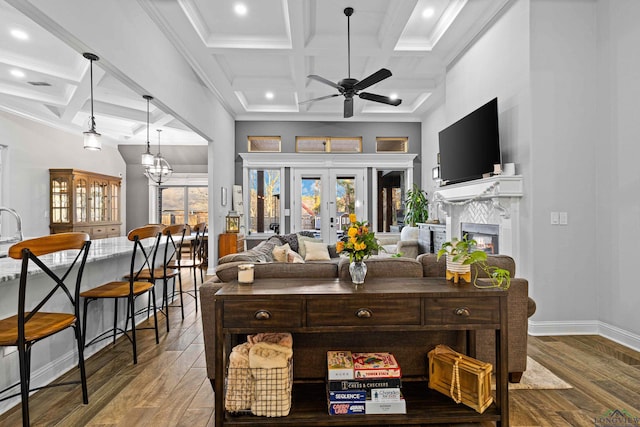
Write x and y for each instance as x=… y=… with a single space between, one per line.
x=18 y=237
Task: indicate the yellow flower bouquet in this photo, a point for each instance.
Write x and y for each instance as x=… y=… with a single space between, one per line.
x=359 y=242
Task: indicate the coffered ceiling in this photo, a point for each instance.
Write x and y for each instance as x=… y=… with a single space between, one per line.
x=255 y=55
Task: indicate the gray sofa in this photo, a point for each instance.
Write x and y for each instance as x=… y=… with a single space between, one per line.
x=520 y=305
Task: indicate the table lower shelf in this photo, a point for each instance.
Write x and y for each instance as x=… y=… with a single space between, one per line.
x=424 y=406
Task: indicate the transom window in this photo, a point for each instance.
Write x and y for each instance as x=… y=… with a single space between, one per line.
x=326 y=144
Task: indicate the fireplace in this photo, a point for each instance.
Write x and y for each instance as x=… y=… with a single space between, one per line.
x=487 y=236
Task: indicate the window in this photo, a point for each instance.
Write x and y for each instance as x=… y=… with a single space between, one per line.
x=264 y=208
x=264 y=144
x=392 y=145
x=325 y=144
x=184 y=205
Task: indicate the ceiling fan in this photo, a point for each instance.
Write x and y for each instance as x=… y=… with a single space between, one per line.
x=350 y=87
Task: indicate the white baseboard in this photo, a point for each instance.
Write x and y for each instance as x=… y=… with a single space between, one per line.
x=585 y=327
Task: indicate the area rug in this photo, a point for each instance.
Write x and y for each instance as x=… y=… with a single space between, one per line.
x=537 y=377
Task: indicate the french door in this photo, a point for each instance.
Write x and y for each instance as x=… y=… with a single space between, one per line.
x=323 y=198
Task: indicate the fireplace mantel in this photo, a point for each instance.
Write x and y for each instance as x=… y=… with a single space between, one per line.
x=485 y=188
x=495 y=200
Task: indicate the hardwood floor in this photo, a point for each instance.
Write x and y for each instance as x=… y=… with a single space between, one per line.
x=169 y=386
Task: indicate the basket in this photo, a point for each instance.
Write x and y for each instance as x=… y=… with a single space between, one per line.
x=259 y=391
x=465 y=379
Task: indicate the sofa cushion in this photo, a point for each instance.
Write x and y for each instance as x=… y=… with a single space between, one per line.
x=316 y=251
x=293 y=256
x=409 y=233
x=302 y=250
x=315 y=269
x=280 y=253
x=261 y=253
x=384 y=267
x=291 y=239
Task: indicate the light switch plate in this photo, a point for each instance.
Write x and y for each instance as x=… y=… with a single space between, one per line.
x=564 y=218
x=555 y=218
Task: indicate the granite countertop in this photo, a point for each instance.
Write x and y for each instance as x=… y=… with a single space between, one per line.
x=101 y=249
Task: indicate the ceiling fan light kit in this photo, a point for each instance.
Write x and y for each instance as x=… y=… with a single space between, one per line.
x=350 y=87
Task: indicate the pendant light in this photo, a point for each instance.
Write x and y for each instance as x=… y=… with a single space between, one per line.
x=161 y=170
x=91 y=137
x=147 y=157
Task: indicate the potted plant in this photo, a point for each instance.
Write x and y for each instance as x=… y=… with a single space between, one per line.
x=416 y=206
x=461 y=254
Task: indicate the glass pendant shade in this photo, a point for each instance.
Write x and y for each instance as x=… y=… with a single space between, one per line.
x=91 y=137
x=160 y=171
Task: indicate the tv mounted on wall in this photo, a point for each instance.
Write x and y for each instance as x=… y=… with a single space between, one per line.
x=471 y=146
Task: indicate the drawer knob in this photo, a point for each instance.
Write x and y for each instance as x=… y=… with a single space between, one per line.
x=363 y=313
x=462 y=311
x=262 y=315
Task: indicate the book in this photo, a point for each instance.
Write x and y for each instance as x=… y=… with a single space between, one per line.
x=366 y=384
x=347 y=408
x=339 y=365
x=385 y=395
x=375 y=365
x=375 y=408
x=347 y=396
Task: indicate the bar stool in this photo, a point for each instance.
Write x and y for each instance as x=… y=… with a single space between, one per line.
x=141 y=259
x=194 y=262
x=32 y=323
x=174 y=236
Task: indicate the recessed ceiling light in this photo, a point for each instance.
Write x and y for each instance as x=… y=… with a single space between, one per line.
x=240 y=9
x=428 y=12
x=17 y=73
x=393 y=96
x=269 y=95
x=19 y=34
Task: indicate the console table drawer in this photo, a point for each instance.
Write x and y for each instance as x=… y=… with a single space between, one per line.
x=262 y=313
x=461 y=311
x=349 y=312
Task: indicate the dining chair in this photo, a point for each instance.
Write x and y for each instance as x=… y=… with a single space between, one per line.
x=142 y=258
x=193 y=263
x=35 y=321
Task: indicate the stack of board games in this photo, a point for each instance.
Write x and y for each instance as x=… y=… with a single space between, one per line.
x=364 y=383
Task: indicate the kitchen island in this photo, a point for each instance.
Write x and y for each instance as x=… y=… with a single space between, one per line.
x=108 y=259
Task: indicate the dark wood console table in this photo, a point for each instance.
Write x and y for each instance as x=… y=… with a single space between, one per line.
x=386 y=314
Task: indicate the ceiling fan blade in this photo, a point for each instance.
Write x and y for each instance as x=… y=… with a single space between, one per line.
x=325 y=81
x=348 y=108
x=380 y=98
x=318 y=99
x=374 y=78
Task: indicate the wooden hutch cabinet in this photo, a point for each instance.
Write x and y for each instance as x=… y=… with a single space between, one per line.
x=84 y=201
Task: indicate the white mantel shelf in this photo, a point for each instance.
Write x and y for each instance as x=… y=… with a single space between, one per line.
x=502 y=186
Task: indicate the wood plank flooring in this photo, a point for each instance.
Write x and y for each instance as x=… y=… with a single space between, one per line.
x=169 y=386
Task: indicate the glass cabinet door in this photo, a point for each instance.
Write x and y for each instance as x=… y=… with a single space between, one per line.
x=97 y=201
x=60 y=202
x=81 y=200
x=114 y=202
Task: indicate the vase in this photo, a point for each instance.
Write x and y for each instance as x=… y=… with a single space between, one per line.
x=358 y=271
x=456 y=270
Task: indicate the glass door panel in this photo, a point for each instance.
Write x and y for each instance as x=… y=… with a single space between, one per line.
x=184 y=205
x=197 y=205
x=81 y=200
x=172 y=206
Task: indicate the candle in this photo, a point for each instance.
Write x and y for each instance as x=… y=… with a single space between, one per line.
x=245 y=273
x=497 y=169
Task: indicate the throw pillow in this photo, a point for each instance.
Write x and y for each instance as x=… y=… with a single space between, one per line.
x=301 y=247
x=294 y=257
x=291 y=239
x=316 y=251
x=280 y=253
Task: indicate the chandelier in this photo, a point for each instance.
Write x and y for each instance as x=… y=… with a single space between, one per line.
x=161 y=170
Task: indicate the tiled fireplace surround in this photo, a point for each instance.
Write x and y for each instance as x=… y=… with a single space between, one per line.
x=495 y=200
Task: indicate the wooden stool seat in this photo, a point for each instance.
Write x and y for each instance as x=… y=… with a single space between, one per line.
x=158 y=273
x=117 y=290
x=41 y=325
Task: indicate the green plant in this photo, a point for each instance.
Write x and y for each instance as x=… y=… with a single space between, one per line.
x=463 y=250
x=416 y=206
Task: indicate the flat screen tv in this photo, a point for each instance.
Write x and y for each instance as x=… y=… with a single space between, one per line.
x=471 y=146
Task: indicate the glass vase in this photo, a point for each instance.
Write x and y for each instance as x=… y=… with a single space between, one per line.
x=358 y=271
